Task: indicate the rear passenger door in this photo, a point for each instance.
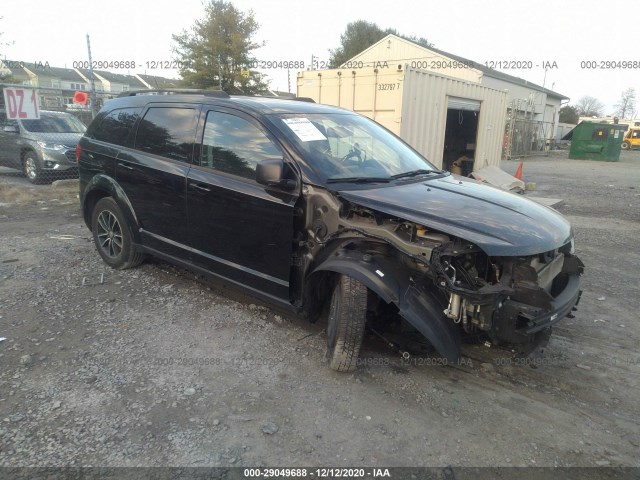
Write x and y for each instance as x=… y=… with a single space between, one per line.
x=238 y=228
x=153 y=175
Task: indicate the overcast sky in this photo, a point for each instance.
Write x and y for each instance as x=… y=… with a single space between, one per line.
x=567 y=33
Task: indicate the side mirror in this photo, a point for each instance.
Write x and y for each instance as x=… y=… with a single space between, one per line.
x=270 y=172
x=11 y=129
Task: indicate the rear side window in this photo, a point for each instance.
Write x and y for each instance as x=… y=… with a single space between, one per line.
x=234 y=145
x=167 y=131
x=115 y=127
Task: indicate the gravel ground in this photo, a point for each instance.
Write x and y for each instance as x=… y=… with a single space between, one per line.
x=158 y=367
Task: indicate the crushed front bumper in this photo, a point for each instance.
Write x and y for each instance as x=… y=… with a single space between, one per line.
x=521 y=316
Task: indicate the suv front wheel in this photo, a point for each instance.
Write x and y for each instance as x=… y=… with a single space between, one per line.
x=112 y=236
x=345 y=326
x=31 y=168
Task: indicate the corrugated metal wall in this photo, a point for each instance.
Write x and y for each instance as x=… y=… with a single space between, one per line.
x=377 y=95
x=412 y=104
x=424 y=115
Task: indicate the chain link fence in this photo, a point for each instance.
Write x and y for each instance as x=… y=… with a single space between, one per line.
x=526 y=135
x=44 y=149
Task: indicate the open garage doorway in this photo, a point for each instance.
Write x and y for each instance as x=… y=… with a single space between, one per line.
x=461 y=133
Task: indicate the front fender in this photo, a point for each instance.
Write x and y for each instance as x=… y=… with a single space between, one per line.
x=392 y=283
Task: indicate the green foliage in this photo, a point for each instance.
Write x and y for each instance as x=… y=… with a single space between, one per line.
x=223 y=40
x=359 y=36
x=569 y=114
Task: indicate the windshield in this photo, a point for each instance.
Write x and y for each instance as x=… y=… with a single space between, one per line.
x=52 y=123
x=351 y=148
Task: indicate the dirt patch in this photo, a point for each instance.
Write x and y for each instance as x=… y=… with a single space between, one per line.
x=155 y=366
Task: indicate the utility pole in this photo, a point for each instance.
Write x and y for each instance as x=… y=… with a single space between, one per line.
x=219 y=72
x=92 y=93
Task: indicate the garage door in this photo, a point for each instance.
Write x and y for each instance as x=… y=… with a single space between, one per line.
x=458 y=103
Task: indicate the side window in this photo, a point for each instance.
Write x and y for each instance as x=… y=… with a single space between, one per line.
x=167 y=131
x=233 y=145
x=115 y=127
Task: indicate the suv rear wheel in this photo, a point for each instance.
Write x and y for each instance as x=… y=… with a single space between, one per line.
x=112 y=236
x=345 y=328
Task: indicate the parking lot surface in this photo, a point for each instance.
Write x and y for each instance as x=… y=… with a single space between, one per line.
x=157 y=366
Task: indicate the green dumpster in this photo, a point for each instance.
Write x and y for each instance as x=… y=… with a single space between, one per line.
x=596 y=141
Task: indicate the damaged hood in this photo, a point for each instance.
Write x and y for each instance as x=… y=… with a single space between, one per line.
x=499 y=222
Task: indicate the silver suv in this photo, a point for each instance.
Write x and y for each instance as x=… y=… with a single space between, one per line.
x=40 y=148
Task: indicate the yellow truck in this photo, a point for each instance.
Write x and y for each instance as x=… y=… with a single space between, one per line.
x=631 y=139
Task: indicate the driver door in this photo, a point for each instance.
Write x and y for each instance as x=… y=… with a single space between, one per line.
x=239 y=229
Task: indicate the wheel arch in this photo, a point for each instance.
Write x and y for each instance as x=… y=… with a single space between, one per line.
x=392 y=283
x=27 y=149
x=101 y=186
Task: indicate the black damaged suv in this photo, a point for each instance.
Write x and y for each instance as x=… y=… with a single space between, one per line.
x=307 y=205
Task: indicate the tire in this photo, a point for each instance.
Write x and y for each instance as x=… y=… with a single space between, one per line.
x=112 y=235
x=346 y=322
x=625 y=146
x=31 y=168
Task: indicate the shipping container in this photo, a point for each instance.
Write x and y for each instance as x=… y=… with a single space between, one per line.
x=444 y=118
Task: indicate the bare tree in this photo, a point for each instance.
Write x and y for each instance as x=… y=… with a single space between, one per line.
x=589 y=107
x=625 y=108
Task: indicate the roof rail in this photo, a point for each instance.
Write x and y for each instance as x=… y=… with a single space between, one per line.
x=171 y=91
x=278 y=97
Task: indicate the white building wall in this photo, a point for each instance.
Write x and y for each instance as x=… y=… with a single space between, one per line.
x=396 y=51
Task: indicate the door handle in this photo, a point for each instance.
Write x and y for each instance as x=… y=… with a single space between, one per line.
x=125 y=166
x=199 y=187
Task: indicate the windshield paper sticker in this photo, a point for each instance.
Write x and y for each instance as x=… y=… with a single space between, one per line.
x=304 y=129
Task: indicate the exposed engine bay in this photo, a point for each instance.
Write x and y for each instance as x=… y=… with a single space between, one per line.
x=509 y=299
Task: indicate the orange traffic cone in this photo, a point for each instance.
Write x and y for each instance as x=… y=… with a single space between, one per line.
x=519 y=172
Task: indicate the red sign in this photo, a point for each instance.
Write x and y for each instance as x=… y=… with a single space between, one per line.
x=21 y=103
x=80 y=98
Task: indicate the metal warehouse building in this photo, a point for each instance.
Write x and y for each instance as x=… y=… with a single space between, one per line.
x=444 y=118
x=445 y=106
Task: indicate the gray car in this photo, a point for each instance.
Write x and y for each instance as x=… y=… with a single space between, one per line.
x=40 y=148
